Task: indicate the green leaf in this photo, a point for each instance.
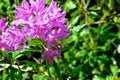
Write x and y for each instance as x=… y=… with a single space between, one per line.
x=114 y=69
x=52 y=72
x=74 y=20
x=25 y=75
x=90 y=20
x=70 y=4
x=105 y=14
x=35 y=42
x=118 y=48
x=93 y=13
x=77 y=28
x=28 y=54
x=14 y=74
x=75 y=71
x=116 y=19
x=16 y=54
x=57 y=70
x=96 y=77
x=4 y=74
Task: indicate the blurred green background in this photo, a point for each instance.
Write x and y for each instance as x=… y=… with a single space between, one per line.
x=90 y=52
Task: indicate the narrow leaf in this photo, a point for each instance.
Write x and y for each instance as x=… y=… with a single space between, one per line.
x=57 y=70
x=75 y=71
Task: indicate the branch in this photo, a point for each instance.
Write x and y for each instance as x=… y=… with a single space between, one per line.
x=105 y=20
x=85 y=10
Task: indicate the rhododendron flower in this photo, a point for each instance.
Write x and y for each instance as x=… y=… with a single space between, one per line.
x=37 y=20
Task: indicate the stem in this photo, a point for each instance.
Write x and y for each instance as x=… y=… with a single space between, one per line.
x=48 y=67
x=19 y=70
x=85 y=10
x=57 y=70
x=4 y=74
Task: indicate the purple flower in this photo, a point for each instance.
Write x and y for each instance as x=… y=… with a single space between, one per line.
x=4 y=45
x=37 y=20
x=3 y=25
x=50 y=53
x=24 y=11
x=37 y=5
x=14 y=38
x=47 y=23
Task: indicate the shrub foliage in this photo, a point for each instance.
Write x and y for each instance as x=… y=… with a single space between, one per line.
x=90 y=52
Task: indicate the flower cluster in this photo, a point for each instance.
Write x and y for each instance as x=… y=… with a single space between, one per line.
x=36 y=20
